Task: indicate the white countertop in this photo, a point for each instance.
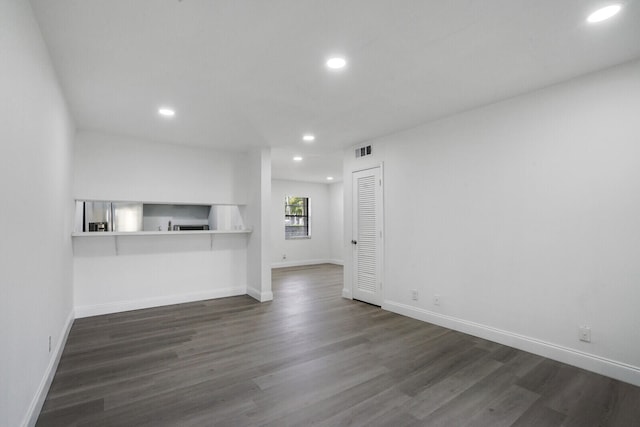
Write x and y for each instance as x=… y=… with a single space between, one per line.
x=154 y=233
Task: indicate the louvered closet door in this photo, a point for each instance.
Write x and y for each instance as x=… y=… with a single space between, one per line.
x=367 y=236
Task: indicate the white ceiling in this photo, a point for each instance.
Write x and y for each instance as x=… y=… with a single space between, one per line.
x=245 y=74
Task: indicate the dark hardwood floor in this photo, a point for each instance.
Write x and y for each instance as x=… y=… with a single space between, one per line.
x=312 y=357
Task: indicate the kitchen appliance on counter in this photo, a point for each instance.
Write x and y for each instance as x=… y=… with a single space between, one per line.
x=98 y=226
x=189 y=227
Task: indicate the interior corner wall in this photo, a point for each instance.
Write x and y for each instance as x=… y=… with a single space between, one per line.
x=293 y=252
x=336 y=223
x=523 y=217
x=258 y=178
x=36 y=299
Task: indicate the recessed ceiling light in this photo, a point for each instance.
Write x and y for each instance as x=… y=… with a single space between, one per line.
x=308 y=138
x=336 y=63
x=604 y=13
x=166 y=112
x=297 y=159
x=329 y=178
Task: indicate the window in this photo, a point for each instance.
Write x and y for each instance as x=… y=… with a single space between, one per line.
x=296 y=218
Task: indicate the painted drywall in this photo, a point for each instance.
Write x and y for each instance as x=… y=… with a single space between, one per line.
x=258 y=175
x=35 y=180
x=314 y=250
x=111 y=167
x=523 y=217
x=336 y=222
x=122 y=273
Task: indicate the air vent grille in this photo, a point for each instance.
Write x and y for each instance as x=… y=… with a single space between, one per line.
x=363 y=151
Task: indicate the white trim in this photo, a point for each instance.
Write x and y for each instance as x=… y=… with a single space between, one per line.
x=302 y=262
x=253 y=293
x=119 y=306
x=346 y=293
x=591 y=362
x=156 y=233
x=259 y=296
x=41 y=394
x=367 y=166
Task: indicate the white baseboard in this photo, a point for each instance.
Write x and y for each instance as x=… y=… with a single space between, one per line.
x=35 y=407
x=346 y=293
x=260 y=296
x=116 y=307
x=300 y=263
x=601 y=365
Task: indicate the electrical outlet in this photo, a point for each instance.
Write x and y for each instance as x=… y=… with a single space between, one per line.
x=414 y=294
x=284 y=256
x=49 y=343
x=584 y=333
x=436 y=299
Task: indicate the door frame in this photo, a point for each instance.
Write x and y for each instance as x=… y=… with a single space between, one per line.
x=382 y=240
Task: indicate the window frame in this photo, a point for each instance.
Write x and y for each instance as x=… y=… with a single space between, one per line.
x=306 y=217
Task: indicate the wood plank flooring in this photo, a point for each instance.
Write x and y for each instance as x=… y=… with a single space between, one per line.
x=312 y=357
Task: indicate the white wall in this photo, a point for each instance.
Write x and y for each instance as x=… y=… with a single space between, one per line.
x=258 y=171
x=523 y=217
x=315 y=250
x=35 y=181
x=121 y=273
x=111 y=167
x=147 y=271
x=336 y=222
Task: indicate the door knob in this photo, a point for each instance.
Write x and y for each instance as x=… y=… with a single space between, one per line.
x=353 y=242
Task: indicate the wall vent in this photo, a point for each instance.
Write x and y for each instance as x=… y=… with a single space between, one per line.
x=363 y=151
